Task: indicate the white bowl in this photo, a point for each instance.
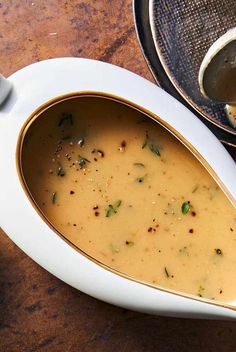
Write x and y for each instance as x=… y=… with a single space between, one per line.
x=35 y=85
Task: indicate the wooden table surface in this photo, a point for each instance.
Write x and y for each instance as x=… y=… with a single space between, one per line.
x=38 y=312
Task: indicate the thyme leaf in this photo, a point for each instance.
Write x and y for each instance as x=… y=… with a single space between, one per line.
x=154 y=149
x=66 y=120
x=117 y=204
x=201 y=290
x=82 y=161
x=60 y=171
x=185 y=207
x=139 y=164
x=114 y=248
x=112 y=209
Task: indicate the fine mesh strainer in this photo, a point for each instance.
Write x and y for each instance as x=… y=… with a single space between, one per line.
x=183 y=30
x=175 y=36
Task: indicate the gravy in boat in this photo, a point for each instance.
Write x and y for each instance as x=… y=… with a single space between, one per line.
x=129 y=194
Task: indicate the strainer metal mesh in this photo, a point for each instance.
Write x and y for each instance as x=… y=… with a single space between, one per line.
x=183 y=31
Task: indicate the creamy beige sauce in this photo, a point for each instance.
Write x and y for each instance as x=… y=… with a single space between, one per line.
x=128 y=193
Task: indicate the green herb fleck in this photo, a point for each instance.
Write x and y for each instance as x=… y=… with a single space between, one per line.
x=112 y=209
x=54 y=197
x=114 y=248
x=141 y=179
x=201 y=290
x=218 y=251
x=129 y=243
x=154 y=149
x=185 y=207
x=66 y=120
x=166 y=272
x=60 y=171
x=83 y=161
x=139 y=164
x=117 y=204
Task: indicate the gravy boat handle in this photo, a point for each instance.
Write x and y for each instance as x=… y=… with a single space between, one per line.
x=5 y=88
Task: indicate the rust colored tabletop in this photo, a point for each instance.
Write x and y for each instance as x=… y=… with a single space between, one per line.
x=38 y=312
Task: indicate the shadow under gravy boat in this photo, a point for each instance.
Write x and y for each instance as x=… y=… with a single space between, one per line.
x=23 y=96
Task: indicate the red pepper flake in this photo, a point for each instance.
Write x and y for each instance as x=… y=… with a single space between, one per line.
x=72 y=192
x=95 y=159
x=231 y=229
x=191 y=231
x=100 y=153
x=96 y=207
x=122 y=146
x=68 y=157
x=74 y=225
x=193 y=213
x=151 y=229
x=96 y=213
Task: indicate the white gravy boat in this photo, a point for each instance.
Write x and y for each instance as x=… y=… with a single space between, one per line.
x=33 y=87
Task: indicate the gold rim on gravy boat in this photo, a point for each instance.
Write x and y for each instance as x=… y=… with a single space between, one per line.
x=37 y=113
